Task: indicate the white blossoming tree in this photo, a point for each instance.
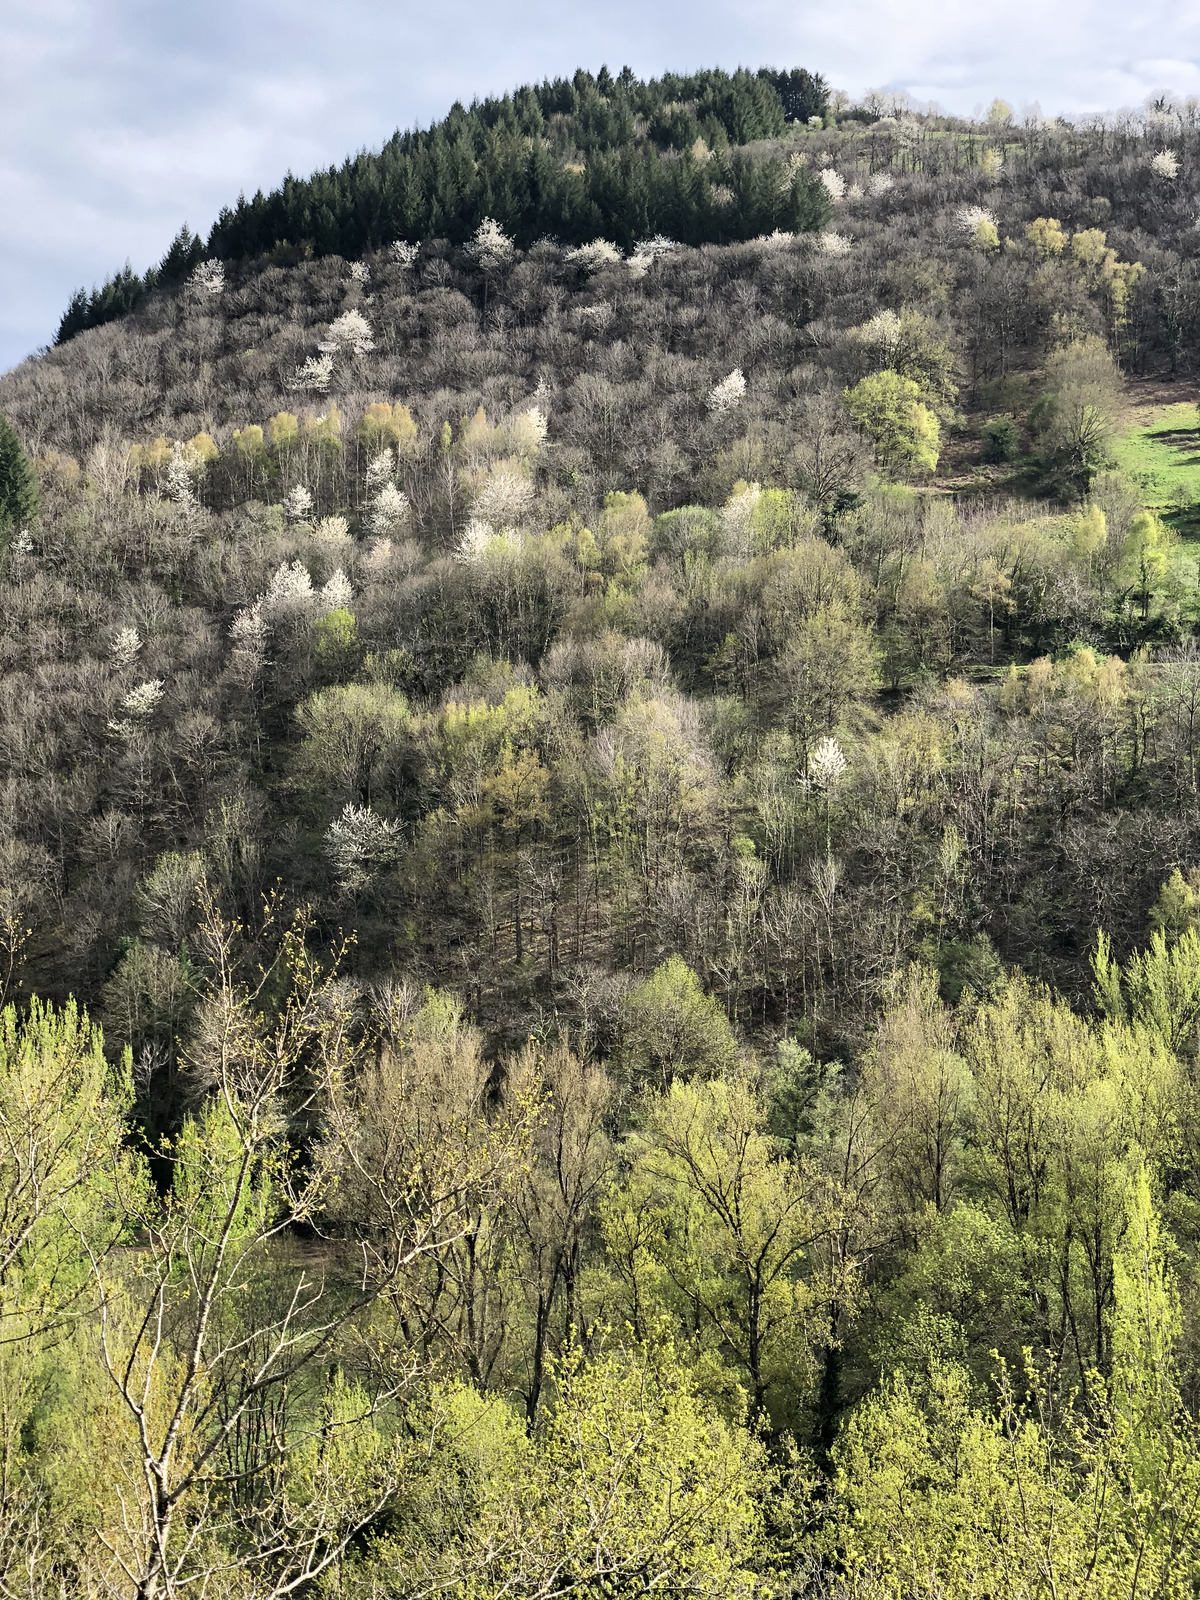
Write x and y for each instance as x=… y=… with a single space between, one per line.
x=126 y=644
x=248 y=631
x=337 y=594
x=505 y=496
x=592 y=257
x=207 y=280
x=477 y=535
x=334 y=532
x=289 y=594
x=403 y=253
x=980 y=224
x=1165 y=164
x=139 y=705
x=359 y=843
x=826 y=764
x=380 y=469
x=968 y=218
x=648 y=252
x=177 y=484
x=314 y=375
x=737 y=520
x=528 y=430
x=833 y=244
x=595 y=318
x=727 y=395
x=389 y=512
x=298 y=504
x=834 y=183
x=349 y=332
x=491 y=246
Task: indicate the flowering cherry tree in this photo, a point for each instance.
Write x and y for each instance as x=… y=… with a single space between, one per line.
x=727 y=395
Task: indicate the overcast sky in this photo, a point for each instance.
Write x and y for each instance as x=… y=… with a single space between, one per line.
x=120 y=119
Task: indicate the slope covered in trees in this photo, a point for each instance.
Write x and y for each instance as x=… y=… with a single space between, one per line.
x=628 y=812
x=573 y=159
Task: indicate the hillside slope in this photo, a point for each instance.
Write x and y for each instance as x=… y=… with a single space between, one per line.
x=537 y=419
x=629 y=807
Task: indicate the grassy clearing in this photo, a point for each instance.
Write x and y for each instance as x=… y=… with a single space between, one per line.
x=1162 y=456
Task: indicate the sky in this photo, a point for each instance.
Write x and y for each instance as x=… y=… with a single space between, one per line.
x=121 y=119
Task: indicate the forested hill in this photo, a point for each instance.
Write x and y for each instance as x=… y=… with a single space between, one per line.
x=574 y=159
x=623 y=805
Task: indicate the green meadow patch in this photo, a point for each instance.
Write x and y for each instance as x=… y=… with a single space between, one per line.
x=1163 y=458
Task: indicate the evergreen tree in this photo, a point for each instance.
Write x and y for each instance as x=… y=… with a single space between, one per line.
x=19 y=501
x=518 y=159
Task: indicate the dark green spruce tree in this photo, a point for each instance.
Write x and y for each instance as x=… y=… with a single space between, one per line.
x=19 y=501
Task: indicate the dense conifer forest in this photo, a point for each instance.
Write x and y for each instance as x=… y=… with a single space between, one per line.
x=600 y=869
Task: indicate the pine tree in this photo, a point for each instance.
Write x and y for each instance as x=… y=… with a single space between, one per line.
x=19 y=501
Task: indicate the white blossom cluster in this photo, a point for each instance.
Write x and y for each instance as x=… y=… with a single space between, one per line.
x=833 y=244
x=1165 y=164
x=249 y=634
x=314 y=375
x=380 y=469
x=491 y=246
x=351 y=331
x=596 y=318
x=332 y=531
x=403 y=253
x=774 y=241
x=290 y=594
x=835 y=184
x=1162 y=119
x=143 y=700
x=124 y=647
x=359 y=843
x=535 y=425
x=969 y=219
x=879 y=183
x=337 y=594
x=826 y=764
x=882 y=331
x=505 y=497
x=389 y=512
x=477 y=535
x=592 y=257
x=298 y=504
x=727 y=395
x=207 y=279
x=178 y=481
x=289 y=598
x=138 y=705
x=737 y=517
x=359 y=272
x=648 y=252
x=793 y=166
